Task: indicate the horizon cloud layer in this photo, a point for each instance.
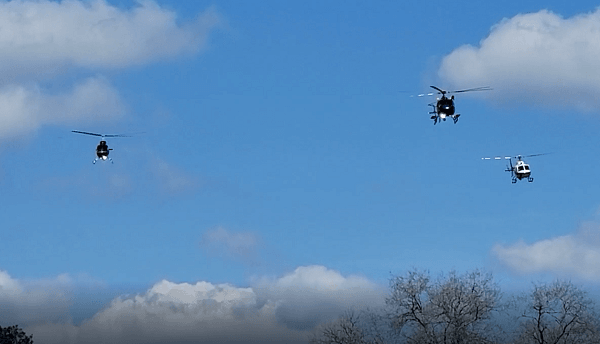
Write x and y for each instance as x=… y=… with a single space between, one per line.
x=272 y=310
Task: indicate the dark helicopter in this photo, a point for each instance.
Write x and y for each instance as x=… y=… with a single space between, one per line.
x=102 y=149
x=520 y=169
x=444 y=107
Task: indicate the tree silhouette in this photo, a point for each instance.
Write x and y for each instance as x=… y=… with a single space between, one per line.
x=348 y=329
x=14 y=335
x=453 y=309
x=466 y=309
x=558 y=313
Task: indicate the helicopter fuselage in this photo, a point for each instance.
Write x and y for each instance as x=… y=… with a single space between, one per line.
x=102 y=150
x=445 y=107
x=519 y=171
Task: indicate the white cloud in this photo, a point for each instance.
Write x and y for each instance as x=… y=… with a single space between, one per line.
x=313 y=294
x=41 y=35
x=570 y=255
x=536 y=58
x=23 y=110
x=275 y=310
x=41 y=39
x=236 y=245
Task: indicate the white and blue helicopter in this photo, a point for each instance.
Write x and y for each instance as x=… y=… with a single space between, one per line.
x=520 y=169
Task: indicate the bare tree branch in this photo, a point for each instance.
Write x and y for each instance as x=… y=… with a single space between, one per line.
x=559 y=313
x=454 y=309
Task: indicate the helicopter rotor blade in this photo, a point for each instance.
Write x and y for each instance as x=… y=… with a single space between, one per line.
x=484 y=88
x=496 y=158
x=422 y=95
x=439 y=89
x=527 y=156
x=109 y=135
x=116 y=135
x=86 y=133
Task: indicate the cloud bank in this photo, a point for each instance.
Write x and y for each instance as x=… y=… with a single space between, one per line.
x=314 y=294
x=535 y=58
x=42 y=301
x=274 y=310
x=570 y=255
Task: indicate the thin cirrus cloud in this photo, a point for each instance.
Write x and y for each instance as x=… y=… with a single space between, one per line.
x=575 y=255
x=171 y=179
x=223 y=243
x=39 y=40
x=272 y=310
x=535 y=58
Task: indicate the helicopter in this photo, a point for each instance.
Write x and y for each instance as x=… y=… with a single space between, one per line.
x=444 y=106
x=520 y=169
x=102 y=149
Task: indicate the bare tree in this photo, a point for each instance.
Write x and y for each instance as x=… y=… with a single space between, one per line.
x=348 y=329
x=454 y=309
x=558 y=313
x=14 y=335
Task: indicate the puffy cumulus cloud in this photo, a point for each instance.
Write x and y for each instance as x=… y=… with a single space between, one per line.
x=313 y=294
x=34 y=302
x=570 y=255
x=276 y=310
x=40 y=39
x=227 y=244
x=23 y=110
x=40 y=35
x=537 y=58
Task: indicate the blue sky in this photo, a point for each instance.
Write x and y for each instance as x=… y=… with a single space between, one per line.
x=276 y=144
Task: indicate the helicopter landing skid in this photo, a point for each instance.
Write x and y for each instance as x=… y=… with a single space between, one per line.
x=530 y=179
x=436 y=118
x=94 y=162
x=434 y=113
